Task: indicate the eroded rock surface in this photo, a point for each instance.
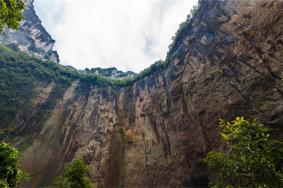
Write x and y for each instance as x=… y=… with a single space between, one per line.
x=156 y=132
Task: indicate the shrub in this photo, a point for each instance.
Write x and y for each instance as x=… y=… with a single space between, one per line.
x=254 y=159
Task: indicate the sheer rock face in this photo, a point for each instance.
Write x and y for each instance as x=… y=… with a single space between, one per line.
x=31 y=37
x=156 y=132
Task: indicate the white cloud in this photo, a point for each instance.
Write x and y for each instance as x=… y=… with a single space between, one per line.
x=127 y=34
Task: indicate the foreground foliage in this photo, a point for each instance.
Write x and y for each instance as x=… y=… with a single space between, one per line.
x=254 y=158
x=75 y=175
x=10 y=174
x=10 y=13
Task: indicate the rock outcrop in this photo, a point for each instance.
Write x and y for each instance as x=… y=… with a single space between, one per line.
x=111 y=72
x=31 y=37
x=155 y=132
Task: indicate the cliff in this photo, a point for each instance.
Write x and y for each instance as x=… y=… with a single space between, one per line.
x=31 y=37
x=154 y=131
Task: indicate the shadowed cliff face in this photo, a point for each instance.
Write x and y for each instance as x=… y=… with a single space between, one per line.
x=156 y=132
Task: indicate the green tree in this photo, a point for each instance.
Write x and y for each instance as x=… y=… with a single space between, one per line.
x=10 y=174
x=75 y=175
x=10 y=13
x=254 y=159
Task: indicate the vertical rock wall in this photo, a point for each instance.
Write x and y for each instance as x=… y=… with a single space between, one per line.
x=156 y=132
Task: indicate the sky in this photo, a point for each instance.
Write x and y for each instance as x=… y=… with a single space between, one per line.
x=127 y=34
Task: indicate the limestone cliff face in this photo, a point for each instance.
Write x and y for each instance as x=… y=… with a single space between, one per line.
x=155 y=132
x=31 y=37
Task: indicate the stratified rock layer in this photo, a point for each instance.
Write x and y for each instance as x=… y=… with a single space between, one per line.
x=156 y=132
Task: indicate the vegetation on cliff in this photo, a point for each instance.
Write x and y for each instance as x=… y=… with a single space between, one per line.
x=19 y=76
x=10 y=173
x=20 y=64
x=254 y=158
x=183 y=27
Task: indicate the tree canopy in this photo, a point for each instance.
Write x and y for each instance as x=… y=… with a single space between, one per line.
x=75 y=175
x=254 y=159
x=10 y=174
x=10 y=13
